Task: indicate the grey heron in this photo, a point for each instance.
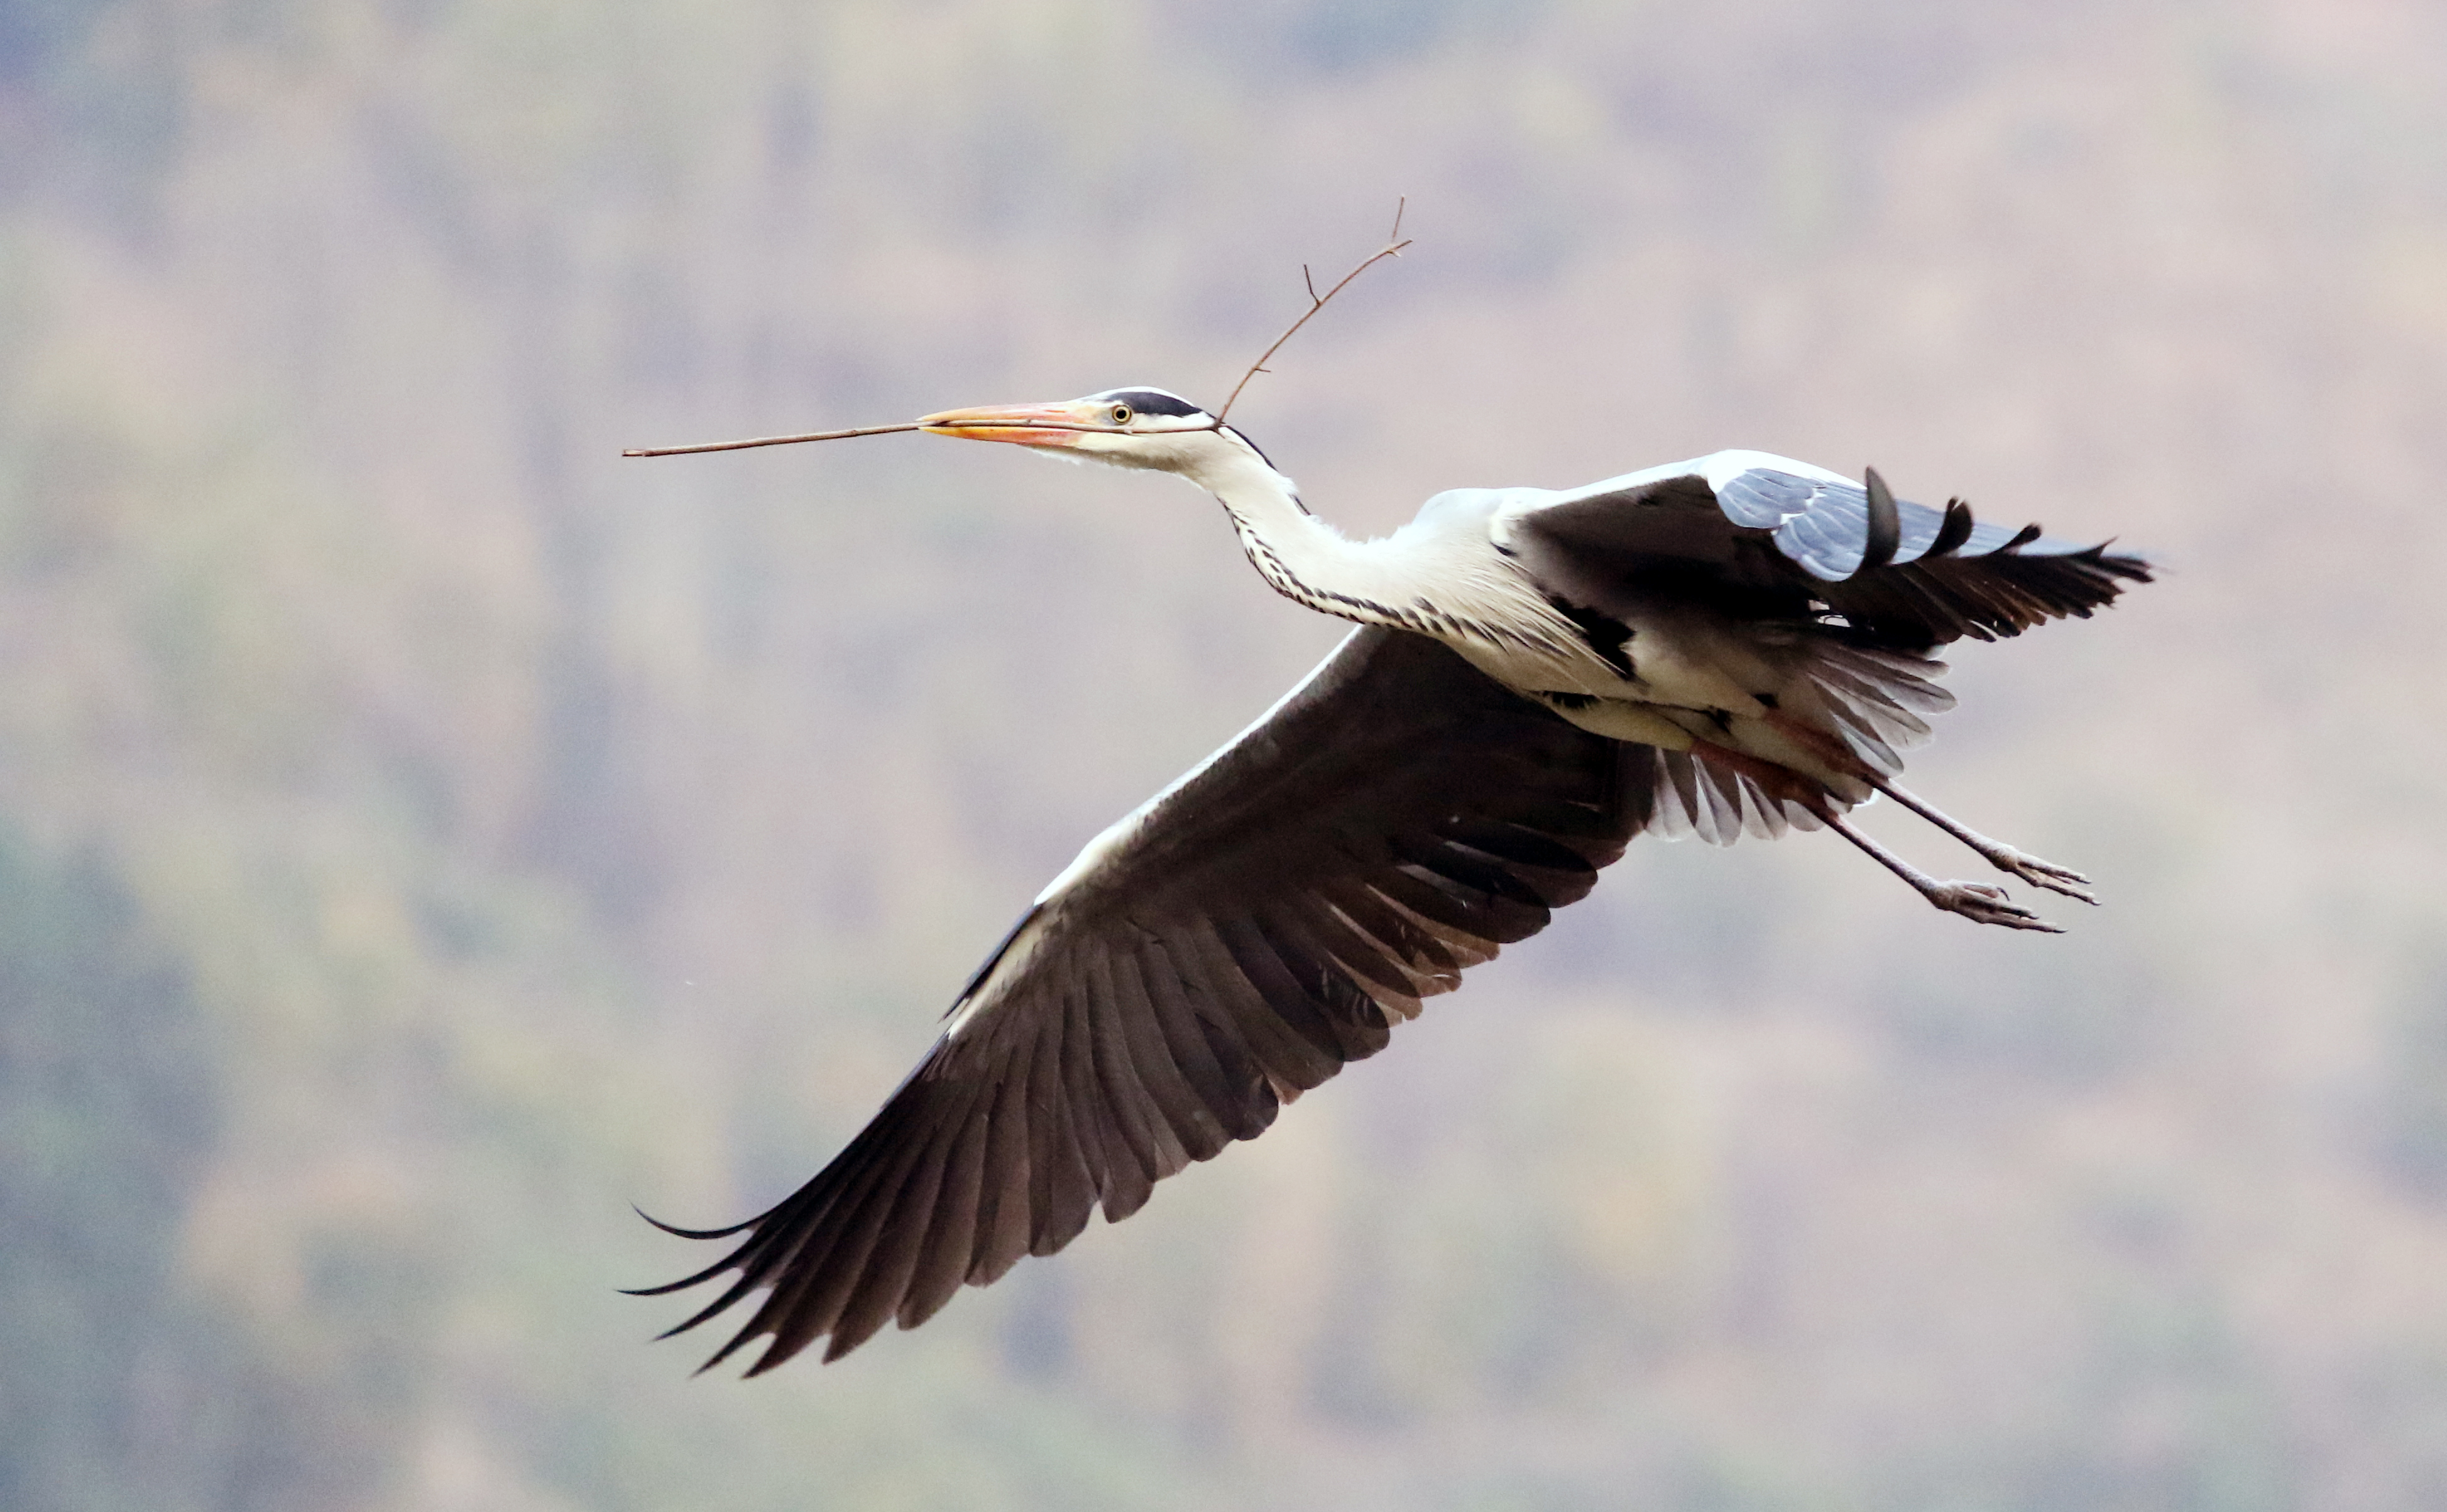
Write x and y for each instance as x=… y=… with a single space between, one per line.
x=1730 y=646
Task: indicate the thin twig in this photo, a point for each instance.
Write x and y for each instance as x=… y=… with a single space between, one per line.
x=768 y=441
x=1392 y=248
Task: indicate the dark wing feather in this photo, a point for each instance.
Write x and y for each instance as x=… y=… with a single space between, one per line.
x=1773 y=545
x=1268 y=919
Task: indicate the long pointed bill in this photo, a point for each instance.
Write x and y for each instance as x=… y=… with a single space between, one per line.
x=1026 y=424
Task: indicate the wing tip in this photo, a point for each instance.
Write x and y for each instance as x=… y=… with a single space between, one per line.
x=676 y=1231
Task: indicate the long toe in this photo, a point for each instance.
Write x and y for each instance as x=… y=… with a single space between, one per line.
x=2043 y=874
x=1984 y=904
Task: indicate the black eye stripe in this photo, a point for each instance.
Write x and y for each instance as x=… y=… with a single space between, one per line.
x=1150 y=401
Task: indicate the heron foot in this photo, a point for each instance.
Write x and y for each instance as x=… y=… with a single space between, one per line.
x=1996 y=852
x=2039 y=873
x=1984 y=904
x=1976 y=902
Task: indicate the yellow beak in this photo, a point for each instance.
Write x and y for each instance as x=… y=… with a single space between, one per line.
x=1026 y=424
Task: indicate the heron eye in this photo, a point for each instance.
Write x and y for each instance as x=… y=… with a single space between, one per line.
x=1121 y=414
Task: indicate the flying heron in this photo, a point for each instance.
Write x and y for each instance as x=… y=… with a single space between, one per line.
x=1733 y=645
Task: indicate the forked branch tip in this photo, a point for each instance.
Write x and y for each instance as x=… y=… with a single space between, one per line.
x=1392 y=248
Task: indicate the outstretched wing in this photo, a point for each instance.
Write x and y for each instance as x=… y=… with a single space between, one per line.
x=1764 y=538
x=1267 y=918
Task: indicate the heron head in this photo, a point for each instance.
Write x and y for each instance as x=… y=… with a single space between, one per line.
x=1129 y=428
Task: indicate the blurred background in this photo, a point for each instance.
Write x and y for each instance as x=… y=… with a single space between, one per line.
x=424 y=834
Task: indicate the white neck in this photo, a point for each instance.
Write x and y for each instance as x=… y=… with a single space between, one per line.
x=1300 y=556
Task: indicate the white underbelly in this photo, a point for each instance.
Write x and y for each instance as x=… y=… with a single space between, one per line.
x=1679 y=681
x=1643 y=723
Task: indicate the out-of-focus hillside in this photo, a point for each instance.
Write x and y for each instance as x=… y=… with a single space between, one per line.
x=423 y=834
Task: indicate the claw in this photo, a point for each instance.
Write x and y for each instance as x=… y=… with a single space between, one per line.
x=1984 y=904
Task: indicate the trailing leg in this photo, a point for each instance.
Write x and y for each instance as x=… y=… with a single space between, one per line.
x=1998 y=854
x=1995 y=853
x=1977 y=901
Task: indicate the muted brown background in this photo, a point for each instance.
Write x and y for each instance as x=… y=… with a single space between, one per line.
x=422 y=833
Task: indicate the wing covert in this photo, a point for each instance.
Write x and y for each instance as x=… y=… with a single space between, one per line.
x=1761 y=541
x=1822 y=526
